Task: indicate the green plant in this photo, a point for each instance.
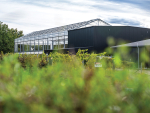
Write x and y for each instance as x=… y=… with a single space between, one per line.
x=68 y=86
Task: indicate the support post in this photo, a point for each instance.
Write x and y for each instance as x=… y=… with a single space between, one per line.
x=30 y=46
x=20 y=47
x=52 y=44
x=14 y=46
x=27 y=46
x=43 y=45
x=23 y=46
x=64 y=39
x=38 y=46
x=34 y=46
x=47 y=44
x=138 y=56
x=58 y=40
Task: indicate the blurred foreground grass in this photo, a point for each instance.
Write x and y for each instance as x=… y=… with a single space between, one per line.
x=69 y=87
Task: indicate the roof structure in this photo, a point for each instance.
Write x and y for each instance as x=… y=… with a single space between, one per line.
x=134 y=44
x=66 y=28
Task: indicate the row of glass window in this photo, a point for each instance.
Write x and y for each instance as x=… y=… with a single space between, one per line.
x=38 y=45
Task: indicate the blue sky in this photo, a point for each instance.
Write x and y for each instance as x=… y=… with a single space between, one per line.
x=34 y=15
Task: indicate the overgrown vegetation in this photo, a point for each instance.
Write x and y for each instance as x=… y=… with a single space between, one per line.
x=68 y=86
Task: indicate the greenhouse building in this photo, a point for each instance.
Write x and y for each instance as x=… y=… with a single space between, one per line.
x=92 y=35
x=50 y=39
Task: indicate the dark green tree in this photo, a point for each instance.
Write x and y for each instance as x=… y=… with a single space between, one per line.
x=7 y=37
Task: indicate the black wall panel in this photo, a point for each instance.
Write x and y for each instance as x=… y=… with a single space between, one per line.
x=80 y=37
x=97 y=36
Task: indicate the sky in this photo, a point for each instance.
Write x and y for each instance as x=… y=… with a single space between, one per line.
x=35 y=15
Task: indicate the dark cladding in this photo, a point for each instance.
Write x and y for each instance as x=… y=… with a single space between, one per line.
x=95 y=38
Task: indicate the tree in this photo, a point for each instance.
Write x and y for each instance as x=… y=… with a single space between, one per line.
x=7 y=37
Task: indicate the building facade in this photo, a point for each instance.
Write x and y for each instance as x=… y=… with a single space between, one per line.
x=92 y=35
x=50 y=39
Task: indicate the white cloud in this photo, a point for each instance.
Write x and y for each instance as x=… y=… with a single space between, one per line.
x=44 y=15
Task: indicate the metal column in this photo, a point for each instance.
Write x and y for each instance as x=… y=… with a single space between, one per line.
x=64 y=39
x=23 y=47
x=43 y=45
x=38 y=46
x=138 y=56
x=20 y=47
x=47 y=44
x=52 y=44
x=34 y=46
x=30 y=46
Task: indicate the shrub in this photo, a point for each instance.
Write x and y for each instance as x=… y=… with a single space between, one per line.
x=68 y=86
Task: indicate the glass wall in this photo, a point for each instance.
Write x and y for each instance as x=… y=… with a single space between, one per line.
x=41 y=42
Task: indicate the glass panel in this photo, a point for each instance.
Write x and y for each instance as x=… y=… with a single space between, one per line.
x=66 y=40
x=26 y=48
x=55 y=42
x=36 y=37
x=32 y=46
x=66 y=45
x=66 y=32
x=41 y=45
x=49 y=44
x=31 y=38
x=19 y=46
x=45 y=44
x=61 y=43
x=22 y=47
x=36 y=45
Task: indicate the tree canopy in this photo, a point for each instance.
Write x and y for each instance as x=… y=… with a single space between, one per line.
x=7 y=36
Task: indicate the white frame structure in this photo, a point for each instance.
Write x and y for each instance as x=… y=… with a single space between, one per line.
x=38 y=41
